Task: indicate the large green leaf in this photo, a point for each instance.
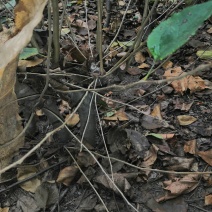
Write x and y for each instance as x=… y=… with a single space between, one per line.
x=172 y=33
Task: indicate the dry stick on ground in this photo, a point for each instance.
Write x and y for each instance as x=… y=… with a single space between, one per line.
x=99 y=34
x=103 y=139
x=88 y=117
x=45 y=138
x=87 y=179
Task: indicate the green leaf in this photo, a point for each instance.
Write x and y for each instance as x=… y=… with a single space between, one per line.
x=172 y=33
x=28 y=52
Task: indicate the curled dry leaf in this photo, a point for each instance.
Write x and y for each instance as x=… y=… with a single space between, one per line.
x=167 y=64
x=190 y=147
x=72 y=121
x=139 y=58
x=25 y=172
x=156 y=111
x=193 y=83
x=67 y=174
x=206 y=156
x=177 y=187
x=119 y=115
x=143 y=65
x=185 y=120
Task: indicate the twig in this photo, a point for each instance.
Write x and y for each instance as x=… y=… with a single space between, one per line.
x=103 y=138
x=99 y=35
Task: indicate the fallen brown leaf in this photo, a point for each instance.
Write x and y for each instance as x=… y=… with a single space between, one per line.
x=67 y=175
x=208 y=199
x=185 y=120
x=74 y=120
x=156 y=111
x=206 y=156
x=190 y=147
x=193 y=83
x=179 y=186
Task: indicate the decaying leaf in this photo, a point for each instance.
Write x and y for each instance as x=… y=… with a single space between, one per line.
x=29 y=63
x=85 y=159
x=119 y=115
x=67 y=174
x=150 y=122
x=139 y=58
x=72 y=121
x=208 y=199
x=4 y=209
x=156 y=111
x=119 y=179
x=185 y=120
x=46 y=195
x=190 y=147
x=193 y=83
x=25 y=172
x=177 y=186
x=167 y=64
x=206 y=156
x=151 y=156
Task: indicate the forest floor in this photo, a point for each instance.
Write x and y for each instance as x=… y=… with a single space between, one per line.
x=150 y=131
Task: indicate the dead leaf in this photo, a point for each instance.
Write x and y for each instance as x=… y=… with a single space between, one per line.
x=156 y=111
x=177 y=186
x=134 y=71
x=29 y=63
x=190 y=147
x=185 y=120
x=151 y=156
x=119 y=115
x=206 y=156
x=139 y=58
x=119 y=179
x=74 y=120
x=25 y=172
x=167 y=64
x=91 y=24
x=209 y=31
x=4 y=209
x=189 y=82
x=150 y=122
x=46 y=194
x=143 y=65
x=85 y=159
x=208 y=199
x=177 y=163
x=67 y=175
